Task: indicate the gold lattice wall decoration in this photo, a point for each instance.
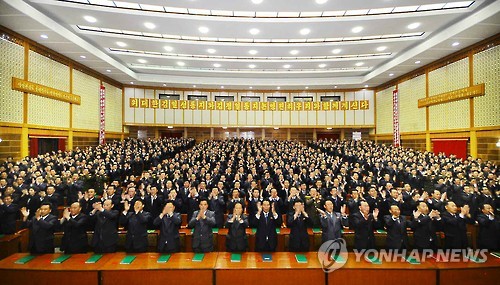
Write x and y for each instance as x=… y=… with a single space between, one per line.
x=487 y=70
x=113 y=108
x=11 y=65
x=411 y=118
x=44 y=111
x=86 y=115
x=453 y=115
x=384 y=111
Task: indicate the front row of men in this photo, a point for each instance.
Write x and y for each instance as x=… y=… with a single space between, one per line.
x=424 y=224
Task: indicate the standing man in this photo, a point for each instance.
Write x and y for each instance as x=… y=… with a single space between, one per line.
x=267 y=220
x=332 y=222
x=168 y=222
x=202 y=222
x=74 y=224
x=42 y=227
x=106 y=227
x=8 y=215
x=136 y=222
x=364 y=223
x=298 y=223
x=237 y=222
x=424 y=227
x=397 y=236
x=489 y=229
x=454 y=226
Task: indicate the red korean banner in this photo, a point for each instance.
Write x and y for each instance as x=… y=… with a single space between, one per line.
x=396 y=141
x=102 y=108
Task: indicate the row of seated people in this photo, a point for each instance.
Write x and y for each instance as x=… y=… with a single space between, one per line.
x=424 y=223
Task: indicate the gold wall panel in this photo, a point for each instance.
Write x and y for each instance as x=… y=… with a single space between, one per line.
x=113 y=108
x=384 y=111
x=487 y=70
x=11 y=65
x=411 y=118
x=86 y=115
x=44 y=111
x=453 y=115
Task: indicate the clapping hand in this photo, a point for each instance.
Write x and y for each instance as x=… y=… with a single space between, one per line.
x=126 y=206
x=375 y=213
x=416 y=214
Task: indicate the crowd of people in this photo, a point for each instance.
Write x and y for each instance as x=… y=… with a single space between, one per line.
x=264 y=184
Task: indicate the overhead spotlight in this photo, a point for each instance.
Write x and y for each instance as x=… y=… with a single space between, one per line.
x=252 y=52
x=90 y=19
x=44 y=36
x=305 y=31
x=321 y=1
x=286 y=66
x=168 y=48
x=417 y=62
x=455 y=44
x=121 y=44
x=217 y=65
x=142 y=60
x=381 y=48
x=322 y=65
x=82 y=56
x=276 y=128
x=149 y=25
x=251 y=65
x=203 y=30
x=359 y=63
x=257 y=1
x=211 y=50
x=336 y=51
x=108 y=70
x=413 y=26
x=254 y=31
x=180 y=63
x=391 y=74
x=294 y=52
x=357 y=29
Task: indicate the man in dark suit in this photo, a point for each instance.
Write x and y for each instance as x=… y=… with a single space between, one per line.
x=454 y=226
x=424 y=227
x=168 y=222
x=397 y=237
x=332 y=222
x=153 y=204
x=298 y=224
x=216 y=204
x=202 y=222
x=267 y=221
x=42 y=227
x=74 y=224
x=8 y=215
x=136 y=223
x=237 y=222
x=106 y=227
x=364 y=223
x=489 y=229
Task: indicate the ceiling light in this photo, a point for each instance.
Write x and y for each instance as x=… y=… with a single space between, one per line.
x=413 y=26
x=44 y=36
x=276 y=128
x=108 y=70
x=168 y=48
x=149 y=25
x=307 y=87
x=357 y=29
x=251 y=65
x=194 y=86
x=211 y=50
x=286 y=66
x=82 y=56
x=217 y=65
x=222 y=87
x=391 y=74
x=359 y=63
x=294 y=52
x=224 y=128
x=381 y=48
x=366 y=86
x=250 y=87
x=455 y=44
x=164 y=84
x=322 y=65
x=417 y=62
x=203 y=30
x=131 y=82
x=257 y=1
x=336 y=51
x=253 y=52
x=335 y=86
x=121 y=44
x=278 y=88
x=305 y=31
x=170 y=127
x=180 y=63
x=142 y=60
x=321 y=1
x=90 y=19
x=254 y=31
x=328 y=128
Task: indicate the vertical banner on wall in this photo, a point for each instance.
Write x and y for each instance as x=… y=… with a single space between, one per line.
x=396 y=141
x=102 y=108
